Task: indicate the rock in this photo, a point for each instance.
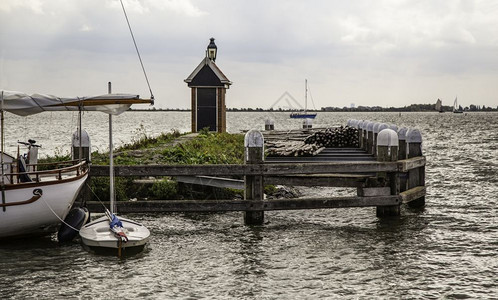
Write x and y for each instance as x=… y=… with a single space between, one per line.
x=284 y=192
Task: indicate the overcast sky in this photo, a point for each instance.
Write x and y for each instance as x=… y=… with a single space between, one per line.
x=386 y=53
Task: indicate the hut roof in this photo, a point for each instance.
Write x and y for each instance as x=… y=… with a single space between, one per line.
x=207 y=73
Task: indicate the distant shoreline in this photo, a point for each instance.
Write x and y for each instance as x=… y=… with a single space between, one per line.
x=331 y=109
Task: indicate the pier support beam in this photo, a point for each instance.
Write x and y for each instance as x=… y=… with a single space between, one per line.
x=254 y=187
x=387 y=150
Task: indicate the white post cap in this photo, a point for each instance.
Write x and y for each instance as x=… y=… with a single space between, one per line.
x=85 y=139
x=370 y=126
x=359 y=125
x=402 y=133
x=413 y=135
x=378 y=128
x=387 y=137
x=253 y=139
x=393 y=127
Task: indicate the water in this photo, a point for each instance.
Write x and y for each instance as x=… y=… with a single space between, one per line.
x=447 y=250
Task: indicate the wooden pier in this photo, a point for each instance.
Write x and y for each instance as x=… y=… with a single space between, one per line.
x=387 y=170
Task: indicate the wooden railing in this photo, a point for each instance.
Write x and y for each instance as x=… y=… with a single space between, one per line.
x=77 y=167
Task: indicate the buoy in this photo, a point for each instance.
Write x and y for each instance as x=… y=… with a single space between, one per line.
x=75 y=219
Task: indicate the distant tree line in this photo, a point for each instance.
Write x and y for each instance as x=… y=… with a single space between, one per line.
x=412 y=108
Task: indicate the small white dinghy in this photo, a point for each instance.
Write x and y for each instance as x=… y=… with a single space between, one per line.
x=110 y=232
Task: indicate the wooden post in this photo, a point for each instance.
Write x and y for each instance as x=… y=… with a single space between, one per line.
x=359 y=126
x=370 y=133
x=254 y=187
x=403 y=176
x=416 y=177
x=364 y=135
x=374 y=138
x=269 y=124
x=376 y=129
x=307 y=123
x=402 y=143
x=387 y=150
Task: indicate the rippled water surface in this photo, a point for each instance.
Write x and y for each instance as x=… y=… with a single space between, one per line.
x=447 y=250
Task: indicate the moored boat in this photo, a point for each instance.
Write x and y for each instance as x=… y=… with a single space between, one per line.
x=36 y=207
x=111 y=233
x=35 y=201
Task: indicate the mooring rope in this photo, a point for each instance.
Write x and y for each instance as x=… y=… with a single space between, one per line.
x=48 y=205
x=77 y=230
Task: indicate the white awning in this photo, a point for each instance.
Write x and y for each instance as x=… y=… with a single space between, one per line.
x=24 y=105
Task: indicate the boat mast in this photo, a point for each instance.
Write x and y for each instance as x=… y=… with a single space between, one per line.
x=112 y=203
x=1 y=158
x=80 y=155
x=305 y=95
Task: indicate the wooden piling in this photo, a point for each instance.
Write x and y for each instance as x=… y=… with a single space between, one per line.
x=416 y=177
x=364 y=135
x=254 y=187
x=403 y=176
x=359 y=126
x=402 y=143
x=307 y=123
x=269 y=124
x=370 y=133
x=376 y=129
x=387 y=150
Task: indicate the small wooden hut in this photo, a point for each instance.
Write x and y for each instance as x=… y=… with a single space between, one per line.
x=209 y=85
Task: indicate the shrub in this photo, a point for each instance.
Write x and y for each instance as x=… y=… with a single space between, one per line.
x=164 y=189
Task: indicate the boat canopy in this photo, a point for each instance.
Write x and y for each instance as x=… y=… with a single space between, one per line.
x=24 y=105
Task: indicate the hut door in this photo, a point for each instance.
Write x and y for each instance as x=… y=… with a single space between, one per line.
x=206 y=108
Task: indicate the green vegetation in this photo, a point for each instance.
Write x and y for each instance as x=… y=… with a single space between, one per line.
x=204 y=148
x=211 y=148
x=164 y=189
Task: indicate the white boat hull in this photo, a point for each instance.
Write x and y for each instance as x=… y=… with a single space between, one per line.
x=37 y=218
x=97 y=234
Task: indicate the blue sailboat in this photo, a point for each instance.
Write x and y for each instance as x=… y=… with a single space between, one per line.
x=304 y=114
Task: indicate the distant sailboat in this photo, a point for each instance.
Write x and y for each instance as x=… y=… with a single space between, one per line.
x=457 y=109
x=439 y=106
x=304 y=114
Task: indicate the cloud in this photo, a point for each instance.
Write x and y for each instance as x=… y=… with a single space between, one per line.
x=33 y=5
x=350 y=51
x=181 y=7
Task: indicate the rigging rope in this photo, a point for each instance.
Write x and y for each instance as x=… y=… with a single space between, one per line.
x=136 y=48
x=311 y=96
x=102 y=203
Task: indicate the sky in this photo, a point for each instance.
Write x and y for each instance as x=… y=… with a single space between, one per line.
x=362 y=52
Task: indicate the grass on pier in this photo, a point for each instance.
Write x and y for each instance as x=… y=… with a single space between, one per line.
x=168 y=148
